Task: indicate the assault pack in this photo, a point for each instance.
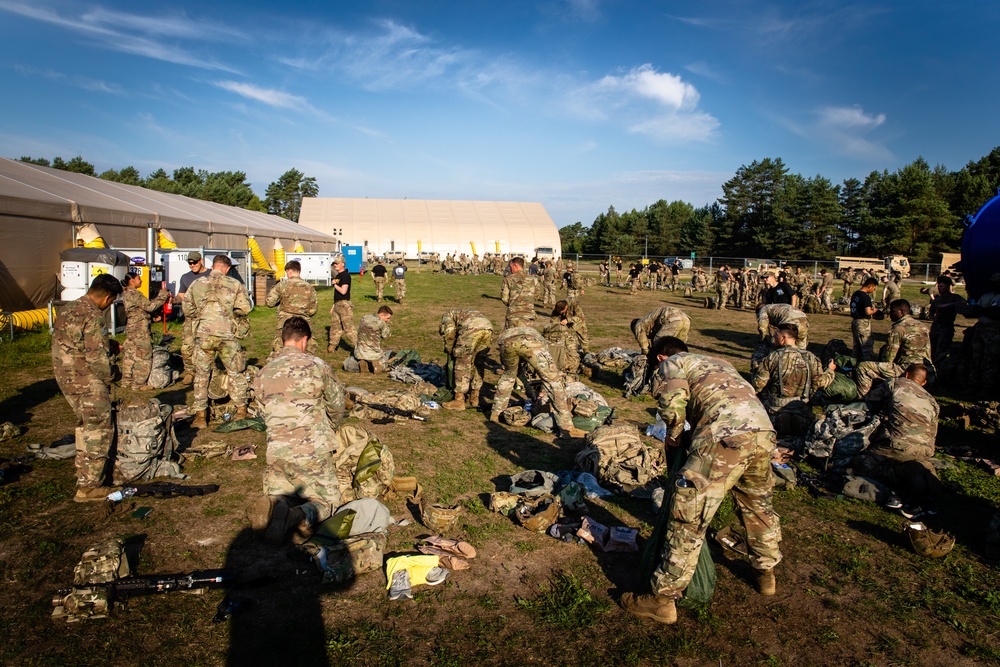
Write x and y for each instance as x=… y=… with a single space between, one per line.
x=146 y=443
x=616 y=455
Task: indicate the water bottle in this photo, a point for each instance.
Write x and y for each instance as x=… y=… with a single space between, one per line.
x=118 y=496
x=226 y=417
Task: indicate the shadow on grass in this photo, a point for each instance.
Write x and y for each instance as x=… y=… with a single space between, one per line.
x=17 y=408
x=739 y=342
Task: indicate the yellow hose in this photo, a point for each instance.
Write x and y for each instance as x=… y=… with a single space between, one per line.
x=259 y=260
x=298 y=247
x=91 y=237
x=279 y=258
x=164 y=239
x=25 y=320
x=473 y=244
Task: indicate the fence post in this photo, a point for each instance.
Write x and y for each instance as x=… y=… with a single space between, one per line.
x=927 y=273
x=710 y=264
x=815 y=268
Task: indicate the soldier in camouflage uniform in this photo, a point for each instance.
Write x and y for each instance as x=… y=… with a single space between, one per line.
x=399 y=280
x=217 y=302
x=773 y=315
x=379 y=275
x=824 y=291
x=467 y=335
x=517 y=293
x=634 y=278
x=664 y=321
x=848 y=277
x=901 y=450
x=574 y=282
x=301 y=401
x=294 y=297
x=567 y=336
x=785 y=380
x=909 y=343
x=862 y=311
x=723 y=287
x=700 y=280
x=731 y=445
x=198 y=270
x=372 y=330
x=549 y=282
x=137 y=350
x=82 y=368
x=890 y=290
x=524 y=345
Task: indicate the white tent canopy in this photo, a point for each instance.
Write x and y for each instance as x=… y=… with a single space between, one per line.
x=414 y=225
x=41 y=208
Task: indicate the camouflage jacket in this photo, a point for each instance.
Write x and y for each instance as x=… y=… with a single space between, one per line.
x=910 y=420
x=301 y=400
x=774 y=315
x=909 y=343
x=710 y=394
x=80 y=350
x=664 y=317
x=215 y=301
x=294 y=298
x=787 y=375
x=458 y=328
x=518 y=292
x=549 y=274
x=138 y=308
x=371 y=330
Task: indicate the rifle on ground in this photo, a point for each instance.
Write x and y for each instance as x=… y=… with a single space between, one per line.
x=165 y=583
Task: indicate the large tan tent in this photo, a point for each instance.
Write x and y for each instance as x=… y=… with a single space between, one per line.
x=42 y=210
x=414 y=225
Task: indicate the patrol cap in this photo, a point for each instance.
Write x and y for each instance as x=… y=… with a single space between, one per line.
x=194 y=256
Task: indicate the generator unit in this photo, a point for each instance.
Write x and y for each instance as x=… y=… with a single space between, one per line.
x=79 y=267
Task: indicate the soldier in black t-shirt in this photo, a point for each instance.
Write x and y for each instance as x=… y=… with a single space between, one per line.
x=862 y=311
x=379 y=273
x=342 y=322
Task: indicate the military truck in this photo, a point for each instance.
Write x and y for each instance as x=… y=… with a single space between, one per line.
x=897 y=264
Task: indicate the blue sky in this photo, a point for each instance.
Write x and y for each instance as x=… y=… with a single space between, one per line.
x=578 y=104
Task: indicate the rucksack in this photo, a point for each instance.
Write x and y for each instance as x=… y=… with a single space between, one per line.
x=146 y=443
x=635 y=376
x=161 y=375
x=365 y=466
x=615 y=454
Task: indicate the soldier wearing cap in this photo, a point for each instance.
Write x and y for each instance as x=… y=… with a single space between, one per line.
x=342 y=322
x=82 y=368
x=137 y=350
x=292 y=297
x=198 y=270
x=379 y=273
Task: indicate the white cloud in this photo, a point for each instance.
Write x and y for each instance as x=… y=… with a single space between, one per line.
x=644 y=81
x=847 y=131
x=274 y=98
x=849 y=117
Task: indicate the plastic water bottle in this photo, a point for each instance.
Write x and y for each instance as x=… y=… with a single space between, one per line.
x=118 y=496
x=226 y=417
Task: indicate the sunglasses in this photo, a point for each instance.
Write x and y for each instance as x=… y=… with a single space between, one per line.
x=193 y=261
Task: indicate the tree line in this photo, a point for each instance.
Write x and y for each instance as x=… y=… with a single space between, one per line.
x=766 y=212
x=282 y=197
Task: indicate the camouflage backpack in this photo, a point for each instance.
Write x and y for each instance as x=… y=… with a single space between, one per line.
x=615 y=454
x=401 y=399
x=636 y=377
x=146 y=443
x=365 y=467
x=161 y=375
x=100 y=564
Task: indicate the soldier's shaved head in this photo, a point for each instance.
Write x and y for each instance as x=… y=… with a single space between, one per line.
x=518 y=262
x=667 y=346
x=917 y=373
x=105 y=285
x=221 y=260
x=789 y=329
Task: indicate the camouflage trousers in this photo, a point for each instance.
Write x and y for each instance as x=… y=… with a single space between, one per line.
x=91 y=403
x=572 y=294
x=674 y=282
x=519 y=318
x=315 y=481
x=379 y=289
x=137 y=359
x=722 y=292
x=679 y=330
x=826 y=299
x=535 y=355
x=654 y=280
x=342 y=325
x=635 y=285
x=984 y=369
x=913 y=479
x=942 y=336
x=400 y=287
x=187 y=343
x=864 y=349
x=233 y=358
x=867 y=372
x=740 y=463
x=549 y=293
x=470 y=362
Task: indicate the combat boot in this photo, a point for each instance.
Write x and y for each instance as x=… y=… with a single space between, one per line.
x=765 y=582
x=188 y=378
x=474 y=399
x=660 y=609
x=572 y=432
x=200 y=419
x=241 y=413
x=457 y=404
x=260 y=512
x=495 y=418
x=283 y=520
x=90 y=494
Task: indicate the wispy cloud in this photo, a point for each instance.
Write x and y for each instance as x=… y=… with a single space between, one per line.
x=85 y=83
x=274 y=98
x=847 y=131
x=584 y=10
x=131 y=33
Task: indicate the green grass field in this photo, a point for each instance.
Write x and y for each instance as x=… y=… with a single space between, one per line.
x=850 y=589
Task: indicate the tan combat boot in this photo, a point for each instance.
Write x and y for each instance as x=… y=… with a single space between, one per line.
x=572 y=432
x=660 y=609
x=241 y=413
x=765 y=582
x=90 y=494
x=474 y=399
x=457 y=404
x=200 y=419
x=495 y=418
x=188 y=378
